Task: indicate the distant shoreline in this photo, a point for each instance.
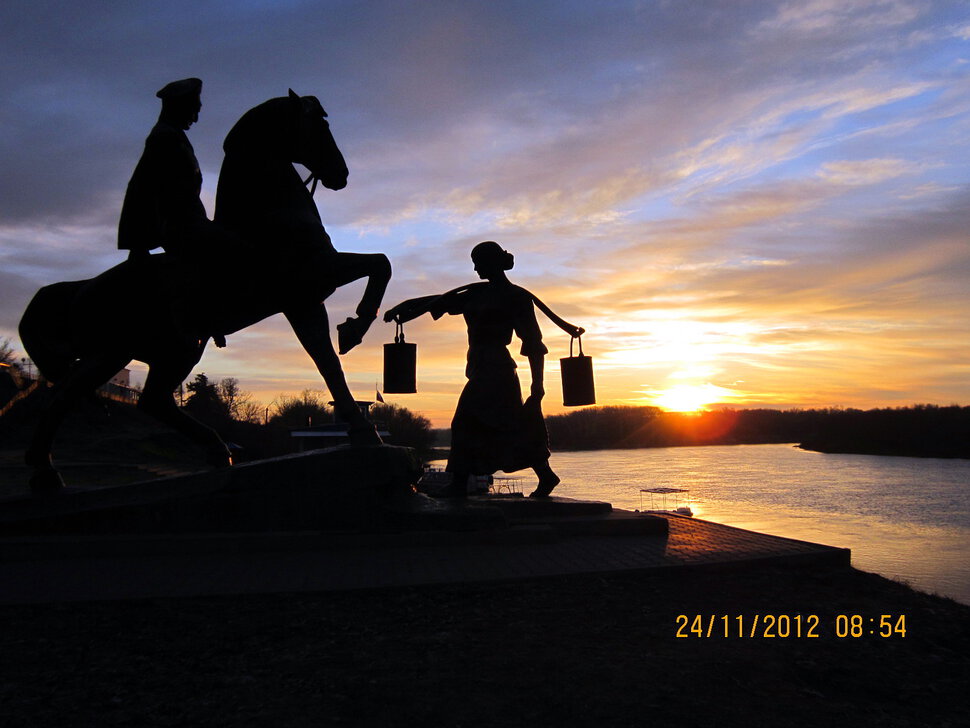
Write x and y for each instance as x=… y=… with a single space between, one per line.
x=903 y=453
x=915 y=431
x=827 y=450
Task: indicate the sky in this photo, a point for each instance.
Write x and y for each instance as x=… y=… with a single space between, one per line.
x=752 y=204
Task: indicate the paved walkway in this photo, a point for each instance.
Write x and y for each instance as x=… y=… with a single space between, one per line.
x=39 y=571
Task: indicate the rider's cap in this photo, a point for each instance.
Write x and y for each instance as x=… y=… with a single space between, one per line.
x=178 y=89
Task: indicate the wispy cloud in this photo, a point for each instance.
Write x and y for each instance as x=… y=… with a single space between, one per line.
x=766 y=198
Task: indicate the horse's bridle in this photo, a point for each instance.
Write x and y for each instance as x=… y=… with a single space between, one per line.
x=314 y=179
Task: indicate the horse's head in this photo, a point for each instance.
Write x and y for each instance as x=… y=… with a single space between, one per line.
x=313 y=145
x=291 y=129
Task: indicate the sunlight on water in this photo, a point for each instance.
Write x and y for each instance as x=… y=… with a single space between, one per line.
x=904 y=518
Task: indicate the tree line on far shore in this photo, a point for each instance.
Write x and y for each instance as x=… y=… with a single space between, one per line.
x=922 y=430
x=264 y=431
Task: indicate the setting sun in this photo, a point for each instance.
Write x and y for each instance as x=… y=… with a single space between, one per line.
x=688 y=397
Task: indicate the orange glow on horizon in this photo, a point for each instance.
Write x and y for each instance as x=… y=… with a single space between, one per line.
x=688 y=397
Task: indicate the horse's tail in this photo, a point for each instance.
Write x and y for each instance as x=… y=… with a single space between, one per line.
x=45 y=329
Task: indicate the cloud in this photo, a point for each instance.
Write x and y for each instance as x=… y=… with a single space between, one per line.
x=863 y=172
x=796 y=166
x=815 y=16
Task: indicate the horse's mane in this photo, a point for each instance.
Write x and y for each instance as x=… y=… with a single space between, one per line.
x=269 y=125
x=258 y=127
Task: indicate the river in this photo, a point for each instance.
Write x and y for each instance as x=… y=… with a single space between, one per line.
x=904 y=518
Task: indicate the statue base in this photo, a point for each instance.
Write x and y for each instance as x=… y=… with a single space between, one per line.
x=362 y=489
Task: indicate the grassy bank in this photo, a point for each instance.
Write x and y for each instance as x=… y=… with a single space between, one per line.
x=572 y=651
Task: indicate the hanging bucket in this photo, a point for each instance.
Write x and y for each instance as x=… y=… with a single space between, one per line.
x=577 y=377
x=400 y=364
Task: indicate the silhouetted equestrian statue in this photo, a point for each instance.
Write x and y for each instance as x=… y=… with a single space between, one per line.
x=153 y=308
x=492 y=428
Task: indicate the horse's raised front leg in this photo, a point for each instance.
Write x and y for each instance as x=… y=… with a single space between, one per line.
x=312 y=328
x=83 y=377
x=350 y=267
x=157 y=399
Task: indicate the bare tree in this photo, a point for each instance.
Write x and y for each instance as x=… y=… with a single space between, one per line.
x=251 y=411
x=231 y=395
x=8 y=355
x=11 y=381
x=228 y=388
x=239 y=403
x=308 y=408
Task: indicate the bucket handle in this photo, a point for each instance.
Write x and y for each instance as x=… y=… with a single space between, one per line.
x=398 y=331
x=580 y=340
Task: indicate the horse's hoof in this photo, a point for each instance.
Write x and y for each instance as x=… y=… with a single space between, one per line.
x=46 y=481
x=350 y=333
x=364 y=436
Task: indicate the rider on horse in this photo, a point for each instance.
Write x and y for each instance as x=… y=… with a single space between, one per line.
x=162 y=206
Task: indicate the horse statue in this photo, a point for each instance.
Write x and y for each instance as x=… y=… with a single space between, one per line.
x=80 y=333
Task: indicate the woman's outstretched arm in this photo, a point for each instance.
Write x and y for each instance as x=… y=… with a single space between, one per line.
x=410 y=309
x=452 y=302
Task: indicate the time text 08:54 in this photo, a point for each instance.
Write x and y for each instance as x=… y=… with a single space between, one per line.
x=789 y=626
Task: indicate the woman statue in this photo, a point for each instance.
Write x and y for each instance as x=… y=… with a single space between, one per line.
x=492 y=429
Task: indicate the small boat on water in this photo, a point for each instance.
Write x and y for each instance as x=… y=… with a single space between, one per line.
x=679 y=496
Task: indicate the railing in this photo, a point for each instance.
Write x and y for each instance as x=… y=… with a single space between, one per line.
x=118 y=393
x=27 y=384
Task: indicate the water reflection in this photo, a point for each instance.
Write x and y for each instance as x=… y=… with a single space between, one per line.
x=905 y=518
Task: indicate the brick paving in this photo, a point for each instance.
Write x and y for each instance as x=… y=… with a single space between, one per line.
x=52 y=570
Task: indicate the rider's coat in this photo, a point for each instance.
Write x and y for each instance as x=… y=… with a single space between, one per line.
x=162 y=207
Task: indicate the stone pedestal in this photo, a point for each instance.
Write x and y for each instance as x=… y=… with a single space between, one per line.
x=354 y=489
